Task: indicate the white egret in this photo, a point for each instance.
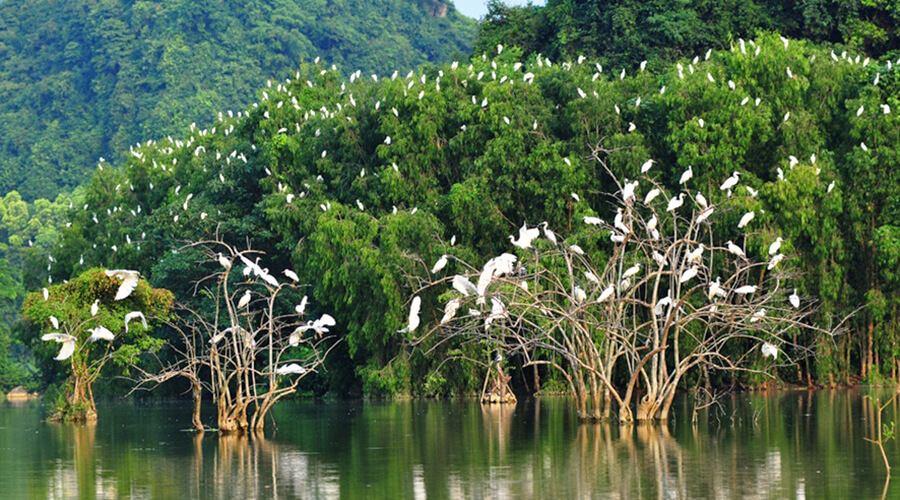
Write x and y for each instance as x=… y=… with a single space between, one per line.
x=224 y=262
x=464 y=286
x=651 y=224
x=291 y=369
x=631 y=271
x=746 y=289
x=686 y=175
x=607 y=293
x=595 y=221
x=715 y=289
x=702 y=216
x=647 y=165
x=320 y=326
x=577 y=249
x=101 y=333
x=68 y=344
x=758 y=315
x=129 y=281
x=301 y=307
x=548 y=233
x=774 y=261
x=450 y=310
x=592 y=277
x=95 y=307
x=701 y=201
x=413 y=316
x=688 y=275
x=618 y=221
x=695 y=255
x=54 y=322
x=769 y=350
x=134 y=315
x=736 y=250
x=730 y=182
x=526 y=236
x=651 y=195
x=244 y=300
x=628 y=191
x=440 y=264
x=746 y=219
x=794 y=299
x=579 y=294
x=292 y=275
x=45 y=293
x=773 y=248
x=675 y=202
x=663 y=302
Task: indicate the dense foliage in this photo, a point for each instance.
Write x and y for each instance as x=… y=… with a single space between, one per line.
x=86 y=79
x=624 y=32
x=360 y=185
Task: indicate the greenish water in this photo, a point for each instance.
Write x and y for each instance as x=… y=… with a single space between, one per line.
x=776 y=445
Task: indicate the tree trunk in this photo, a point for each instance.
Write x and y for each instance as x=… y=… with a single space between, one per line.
x=196 y=393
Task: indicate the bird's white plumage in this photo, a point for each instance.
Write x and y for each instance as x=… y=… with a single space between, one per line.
x=101 y=333
x=244 y=300
x=440 y=264
x=134 y=315
x=68 y=344
x=129 y=281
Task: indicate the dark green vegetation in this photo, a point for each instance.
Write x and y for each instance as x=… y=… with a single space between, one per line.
x=311 y=173
x=625 y=32
x=86 y=79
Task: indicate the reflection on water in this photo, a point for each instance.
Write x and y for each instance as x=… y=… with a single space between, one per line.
x=776 y=445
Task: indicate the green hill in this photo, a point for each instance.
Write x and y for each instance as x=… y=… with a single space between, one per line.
x=86 y=79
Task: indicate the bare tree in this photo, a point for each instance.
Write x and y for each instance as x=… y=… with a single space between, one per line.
x=666 y=299
x=253 y=347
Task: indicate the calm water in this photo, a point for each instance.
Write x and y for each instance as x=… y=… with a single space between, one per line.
x=779 y=445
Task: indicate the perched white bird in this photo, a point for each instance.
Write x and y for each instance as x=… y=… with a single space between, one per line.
x=730 y=182
x=746 y=219
x=301 y=307
x=631 y=271
x=577 y=249
x=686 y=175
x=607 y=293
x=224 y=262
x=688 y=274
x=651 y=195
x=736 y=250
x=774 y=261
x=675 y=202
x=794 y=299
x=413 y=316
x=129 y=281
x=701 y=201
x=292 y=275
x=291 y=369
x=773 y=248
x=526 y=236
x=695 y=254
x=746 y=289
x=68 y=344
x=651 y=224
x=440 y=264
x=579 y=294
x=595 y=221
x=133 y=315
x=548 y=233
x=769 y=350
x=715 y=289
x=95 y=307
x=45 y=293
x=450 y=310
x=646 y=166
x=464 y=286
x=54 y=322
x=101 y=333
x=244 y=300
x=663 y=302
x=591 y=277
x=628 y=191
x=758 y=315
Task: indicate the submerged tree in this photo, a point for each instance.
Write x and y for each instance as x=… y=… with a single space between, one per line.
x=669 y=298
x=248 y=338
x=97 y=317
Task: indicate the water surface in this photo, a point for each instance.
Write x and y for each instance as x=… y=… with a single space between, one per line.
x=758 y=445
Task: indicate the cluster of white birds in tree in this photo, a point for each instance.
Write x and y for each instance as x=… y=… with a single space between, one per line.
x=129 y=281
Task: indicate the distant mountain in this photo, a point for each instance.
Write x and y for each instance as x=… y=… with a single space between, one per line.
x=85 y=79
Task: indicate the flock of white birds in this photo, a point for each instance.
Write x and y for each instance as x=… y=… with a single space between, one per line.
x=164 y=161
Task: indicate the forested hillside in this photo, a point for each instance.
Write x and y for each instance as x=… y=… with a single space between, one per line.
x=626 y=32
x=86 y=79
x=360 y=185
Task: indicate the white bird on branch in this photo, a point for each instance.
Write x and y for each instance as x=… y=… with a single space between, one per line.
x=730 y=182
x=450 y=310
x=688 y=274
x=291 y=369
x=675 y=203
x=320 y=326
x=736 y=250
x=631 y=271
x=746 y=289
x=769 y=350
x=550 y=234
x=413 y=316
x=292 y=275
x=773 y=248
x=686 y=175
x=746 y=219
x=244 y=300
x=526 y=236
x=651 y=195
x=607 y=293
x=794 y=299
x=464 y=286
x=95 y=307
x=440 y=264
